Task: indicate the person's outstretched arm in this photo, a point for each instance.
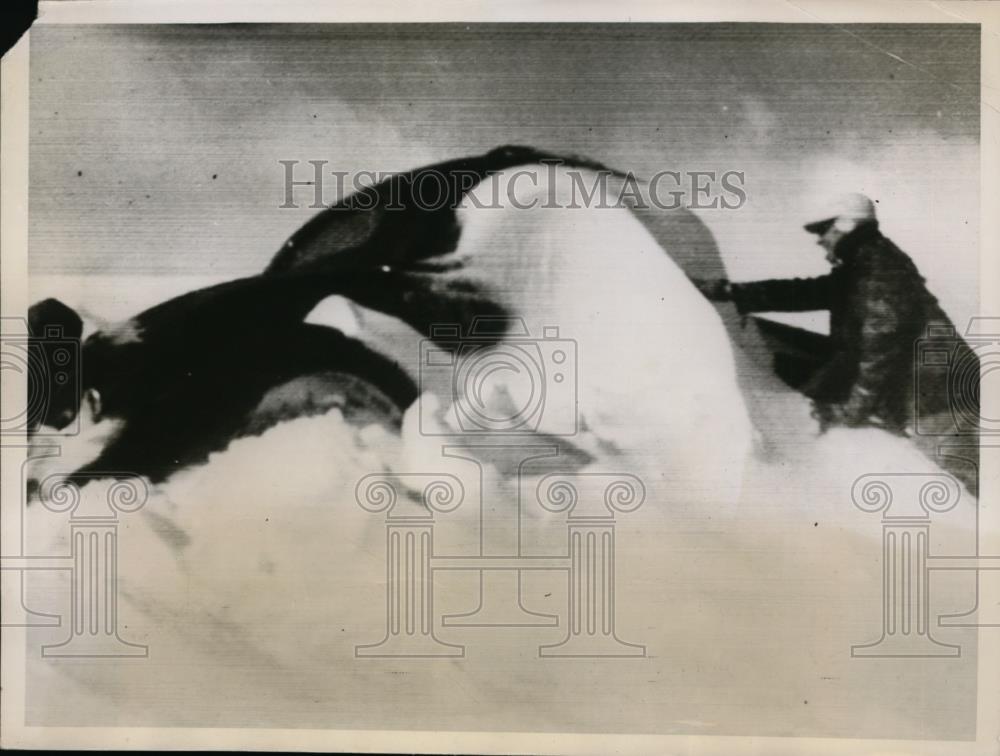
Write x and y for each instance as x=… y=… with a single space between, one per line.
x=776 y=295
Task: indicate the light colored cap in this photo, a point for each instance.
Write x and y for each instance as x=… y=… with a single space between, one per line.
x=846 y=211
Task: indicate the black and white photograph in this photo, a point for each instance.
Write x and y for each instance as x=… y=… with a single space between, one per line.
x=550 y=380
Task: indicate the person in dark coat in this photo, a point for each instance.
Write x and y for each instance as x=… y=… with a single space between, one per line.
x=882 y=319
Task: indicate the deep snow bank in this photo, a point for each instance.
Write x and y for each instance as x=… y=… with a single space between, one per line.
x=253 y=578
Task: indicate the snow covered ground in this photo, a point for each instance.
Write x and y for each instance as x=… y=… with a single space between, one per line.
x=253 y=578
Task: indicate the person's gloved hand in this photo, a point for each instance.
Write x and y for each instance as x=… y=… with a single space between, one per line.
x=850 y=414
x=715 y=289
x=827 y=415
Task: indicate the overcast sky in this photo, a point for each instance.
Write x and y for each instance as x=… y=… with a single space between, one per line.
x=156 y=149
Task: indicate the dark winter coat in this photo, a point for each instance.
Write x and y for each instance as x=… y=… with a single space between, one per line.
x=882 y=320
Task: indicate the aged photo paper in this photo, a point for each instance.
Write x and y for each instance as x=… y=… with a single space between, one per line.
x=533 y=378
